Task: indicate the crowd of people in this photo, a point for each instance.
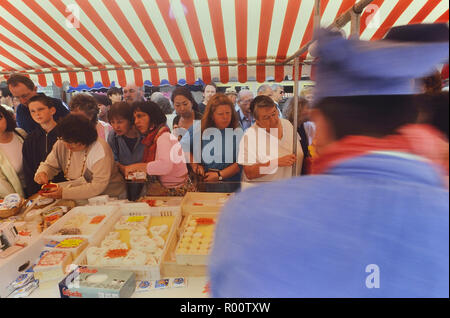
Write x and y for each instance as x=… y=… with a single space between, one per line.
x=92 y=145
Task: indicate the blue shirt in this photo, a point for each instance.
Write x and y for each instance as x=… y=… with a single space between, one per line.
x=122 y=152
x=374 y=219
x=244 y=121
x=225 y=145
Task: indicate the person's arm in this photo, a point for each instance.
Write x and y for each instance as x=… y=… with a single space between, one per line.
x=29 y=169
x=51 y=165
x=5 y=186
x=101 y=175
x=255 y=171
x=226 y=173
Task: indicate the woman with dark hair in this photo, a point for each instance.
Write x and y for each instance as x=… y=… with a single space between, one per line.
x=12 y=179
x=163 y=156
x=86 y=160
x=186 y=108
x=125 y=141
x=219 y=117
x=86 y=105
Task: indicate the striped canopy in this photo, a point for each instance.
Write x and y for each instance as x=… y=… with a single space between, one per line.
x=130 y=41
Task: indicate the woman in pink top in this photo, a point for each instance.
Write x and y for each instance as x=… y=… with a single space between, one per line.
x=163 y=155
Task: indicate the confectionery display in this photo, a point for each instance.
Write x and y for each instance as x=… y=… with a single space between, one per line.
x=52 y=265
x=196 y=240
x=81 y=224
x=137 y=240
x=135 y=243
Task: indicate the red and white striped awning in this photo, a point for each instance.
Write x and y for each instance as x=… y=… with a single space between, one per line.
x=136 y=40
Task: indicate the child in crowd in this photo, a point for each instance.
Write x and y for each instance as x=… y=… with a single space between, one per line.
x=114 y=94
x=40 y=142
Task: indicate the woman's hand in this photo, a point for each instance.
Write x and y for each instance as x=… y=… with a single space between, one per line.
x=41 y=178
x=54 y=194
x=211 y=177
x=198 y=169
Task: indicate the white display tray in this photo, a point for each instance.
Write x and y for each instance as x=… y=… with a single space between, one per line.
x=146 y=272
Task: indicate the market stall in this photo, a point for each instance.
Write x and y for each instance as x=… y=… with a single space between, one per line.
x=157 y=247
x=161 y=243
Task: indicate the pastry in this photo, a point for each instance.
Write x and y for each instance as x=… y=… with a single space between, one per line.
x=52 y=265
x=94 y=254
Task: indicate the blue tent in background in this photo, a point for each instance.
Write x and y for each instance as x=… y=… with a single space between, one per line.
x=99 y=85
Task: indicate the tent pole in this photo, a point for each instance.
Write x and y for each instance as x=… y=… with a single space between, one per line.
x=316 y=27
x=295 y=105
x=355 y=24
x=340 y=22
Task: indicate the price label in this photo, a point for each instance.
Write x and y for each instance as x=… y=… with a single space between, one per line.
x=69 y=243
x=136 y=219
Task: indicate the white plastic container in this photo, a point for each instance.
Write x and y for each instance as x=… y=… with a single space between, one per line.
x=146 y=272
x=111 y=216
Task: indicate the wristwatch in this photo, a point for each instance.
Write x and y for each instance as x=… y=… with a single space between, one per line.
x=220 y=176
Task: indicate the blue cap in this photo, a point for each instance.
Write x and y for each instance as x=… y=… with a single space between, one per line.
x=351 y=67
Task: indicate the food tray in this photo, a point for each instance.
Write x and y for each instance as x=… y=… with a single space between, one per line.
x=203 y=202
x=146 y=272
x=112 y=215
x=198 y=258
x=170 y=268
x=171 y=204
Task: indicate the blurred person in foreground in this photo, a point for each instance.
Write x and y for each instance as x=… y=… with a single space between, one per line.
x=373 y=221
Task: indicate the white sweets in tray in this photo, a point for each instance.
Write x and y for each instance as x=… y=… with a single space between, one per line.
x=137 y=241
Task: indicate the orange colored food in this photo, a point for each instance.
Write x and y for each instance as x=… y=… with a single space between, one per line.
x=117 y=253
x=97 y=219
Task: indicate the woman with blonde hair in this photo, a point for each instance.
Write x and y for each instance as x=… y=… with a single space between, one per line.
x=218 y=160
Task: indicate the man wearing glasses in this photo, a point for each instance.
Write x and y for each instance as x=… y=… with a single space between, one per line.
x=266 y=149
x=23 y=88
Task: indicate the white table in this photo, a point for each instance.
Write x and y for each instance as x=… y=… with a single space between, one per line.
x=195 y=289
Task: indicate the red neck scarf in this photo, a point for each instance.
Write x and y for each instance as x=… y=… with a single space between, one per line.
x=150 y=142
x=417 y=139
